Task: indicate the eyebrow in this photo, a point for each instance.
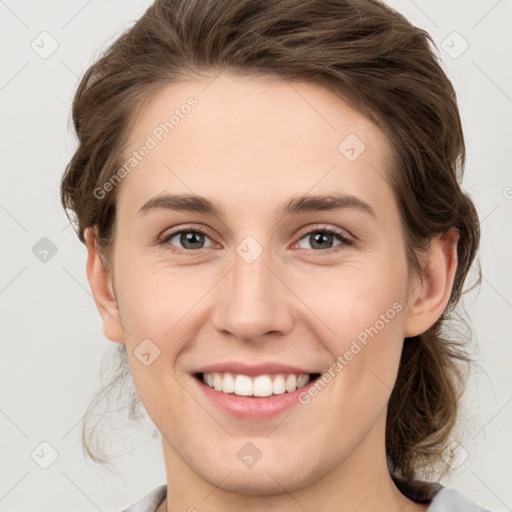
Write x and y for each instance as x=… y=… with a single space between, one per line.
x=296 y=205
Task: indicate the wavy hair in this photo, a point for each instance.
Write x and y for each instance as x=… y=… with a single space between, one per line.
x=371 y=57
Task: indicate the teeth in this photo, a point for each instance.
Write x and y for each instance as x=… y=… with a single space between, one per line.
x=262 y=385
x=302 y=381
x=228 y=383
x=291 y=383
x=278 y=385
x=243 y=385
x=217 y=381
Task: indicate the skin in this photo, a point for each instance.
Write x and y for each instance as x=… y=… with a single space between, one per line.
x=251 y=144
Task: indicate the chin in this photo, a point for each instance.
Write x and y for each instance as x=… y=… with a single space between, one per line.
x=265 y=480
x=255 y=485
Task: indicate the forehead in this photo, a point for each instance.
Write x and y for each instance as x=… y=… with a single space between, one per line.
x=242 y=137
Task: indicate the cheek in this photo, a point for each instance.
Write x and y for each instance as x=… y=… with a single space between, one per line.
x=353 y=297
x=360 y=318
x=157 y=302
x=157 y=310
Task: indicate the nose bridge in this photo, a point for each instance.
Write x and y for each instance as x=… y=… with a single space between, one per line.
x=253 y=302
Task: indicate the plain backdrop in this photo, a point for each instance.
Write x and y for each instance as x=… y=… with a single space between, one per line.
x=52 y=342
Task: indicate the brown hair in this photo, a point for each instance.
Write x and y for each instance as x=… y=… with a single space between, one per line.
x=371 y=57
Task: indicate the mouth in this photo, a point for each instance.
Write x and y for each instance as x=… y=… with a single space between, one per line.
x=256 y=386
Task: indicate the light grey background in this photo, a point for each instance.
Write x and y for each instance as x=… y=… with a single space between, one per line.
x=52 y=342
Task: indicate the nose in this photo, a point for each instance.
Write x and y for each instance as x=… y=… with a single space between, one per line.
x=253 y=302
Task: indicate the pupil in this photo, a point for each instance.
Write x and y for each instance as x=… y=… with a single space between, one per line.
x=319 y=238
x=190 y=238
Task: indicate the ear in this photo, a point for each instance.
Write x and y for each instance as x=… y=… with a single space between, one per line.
x=101 y=286
x=429 y=298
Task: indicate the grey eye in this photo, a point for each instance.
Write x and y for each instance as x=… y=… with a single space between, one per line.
x=319 y=240
x=190 y=240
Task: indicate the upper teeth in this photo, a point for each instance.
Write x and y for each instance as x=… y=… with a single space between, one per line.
x=262 y=385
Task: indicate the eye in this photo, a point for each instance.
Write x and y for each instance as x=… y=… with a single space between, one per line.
x=323 y=239
x=190 y=239
x=320 y=239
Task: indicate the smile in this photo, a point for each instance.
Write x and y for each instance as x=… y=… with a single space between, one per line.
x=258 y=396
x=256 y=386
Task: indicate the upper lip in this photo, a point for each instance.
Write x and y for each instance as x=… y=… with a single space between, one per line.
x=240 y=368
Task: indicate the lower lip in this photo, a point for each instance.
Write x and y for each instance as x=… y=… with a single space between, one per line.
x=253 y=408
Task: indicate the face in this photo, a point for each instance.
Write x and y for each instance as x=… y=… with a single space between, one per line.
x=234 y=287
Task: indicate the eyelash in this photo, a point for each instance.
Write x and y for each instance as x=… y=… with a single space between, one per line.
x=345 y=241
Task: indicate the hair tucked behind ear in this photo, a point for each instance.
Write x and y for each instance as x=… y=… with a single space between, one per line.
x=423 y=406
x=372 y=58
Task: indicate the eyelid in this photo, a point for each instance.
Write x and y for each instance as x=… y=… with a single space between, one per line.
x=342 y=233
x=169 y=234
x=345 y=237
x=346 y=240
x=183 y=227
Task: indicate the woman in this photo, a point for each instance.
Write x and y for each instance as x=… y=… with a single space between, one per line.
x=276 y=234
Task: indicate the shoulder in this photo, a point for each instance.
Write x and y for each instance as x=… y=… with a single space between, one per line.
x=438 y=497
x=150 y=502
x=450 y=500
x=442 y=499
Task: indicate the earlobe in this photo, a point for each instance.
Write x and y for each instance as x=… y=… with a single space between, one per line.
x=429 y=298
x=100 y=282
